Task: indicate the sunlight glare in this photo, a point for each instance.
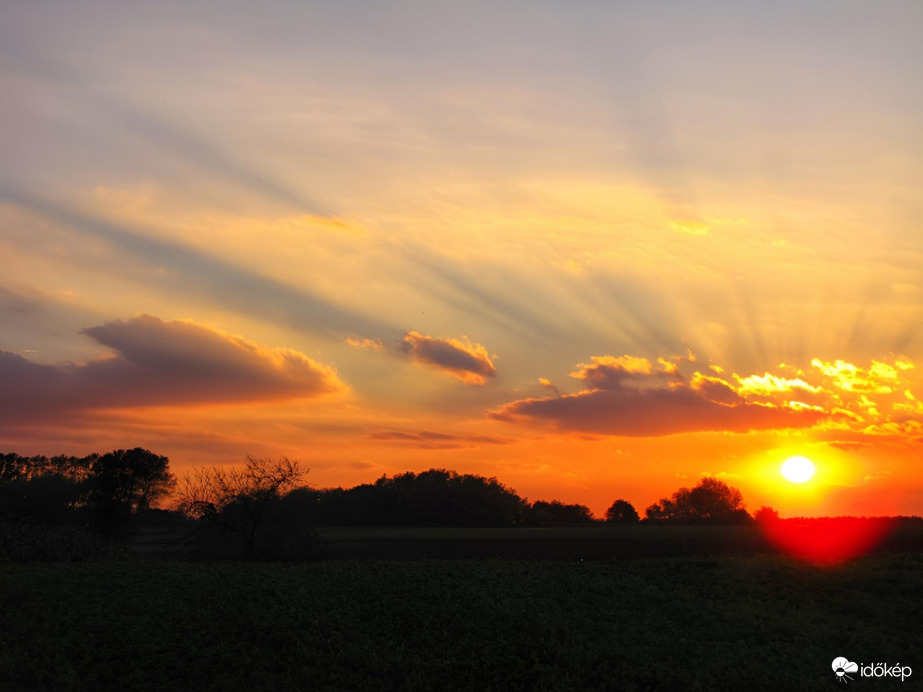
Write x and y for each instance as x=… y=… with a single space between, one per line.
x=797 y=469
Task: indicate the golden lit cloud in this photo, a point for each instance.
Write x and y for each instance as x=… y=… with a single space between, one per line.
x=768 y=384
x=851 y=378
x=548 y=384
x=609 y=372
x=631 y=395
x=629 y=398
x=368 y=344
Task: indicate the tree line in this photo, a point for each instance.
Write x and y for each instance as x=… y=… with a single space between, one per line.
x=266 y=508
x=438 y=497
x=104 y=490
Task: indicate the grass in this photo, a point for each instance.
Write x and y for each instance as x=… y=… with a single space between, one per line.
x=719 y=623
x=607 y=541
x=567 y=533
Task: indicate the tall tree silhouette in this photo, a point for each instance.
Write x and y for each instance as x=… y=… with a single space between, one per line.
x=126 y=482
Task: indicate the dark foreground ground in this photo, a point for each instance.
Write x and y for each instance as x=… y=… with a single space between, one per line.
x=757 y=622
x=600 y=542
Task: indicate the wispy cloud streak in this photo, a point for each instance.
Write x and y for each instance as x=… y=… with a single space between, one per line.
x=190 y=270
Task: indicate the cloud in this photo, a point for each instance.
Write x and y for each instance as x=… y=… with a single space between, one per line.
x=769 y=384
x=463 y=360
x=194 y=272
x=879 y=379
x=631 y=395
x=715 y=389
x=607 y=372
x=162 y=363
x=428 y=439
x=367 y=344
x=548 y=384
x=628 y=396
x=848 y=445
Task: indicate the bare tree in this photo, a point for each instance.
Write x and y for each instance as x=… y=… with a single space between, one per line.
x=236 y=499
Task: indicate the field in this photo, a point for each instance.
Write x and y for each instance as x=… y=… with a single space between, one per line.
x=596 y=542
x=760 y=622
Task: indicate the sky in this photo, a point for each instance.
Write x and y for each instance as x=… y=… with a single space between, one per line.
x=594 y=250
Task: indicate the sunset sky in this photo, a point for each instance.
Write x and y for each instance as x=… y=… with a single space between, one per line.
x=596 y=250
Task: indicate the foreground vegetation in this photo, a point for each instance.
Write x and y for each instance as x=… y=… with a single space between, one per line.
x=720 y=623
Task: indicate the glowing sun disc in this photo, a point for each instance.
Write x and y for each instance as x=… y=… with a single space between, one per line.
x=797 y=469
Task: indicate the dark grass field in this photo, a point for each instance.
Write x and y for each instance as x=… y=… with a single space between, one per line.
x=587 y=542
x=755 y=622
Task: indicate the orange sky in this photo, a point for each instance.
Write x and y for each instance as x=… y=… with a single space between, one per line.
x=593 y=251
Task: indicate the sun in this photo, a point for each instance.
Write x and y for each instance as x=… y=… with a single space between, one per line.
x=797 y=469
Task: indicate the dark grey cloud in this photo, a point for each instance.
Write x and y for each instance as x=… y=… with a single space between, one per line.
x=650 y=413
x=627 y=397
x=617 y=373
x=160 y=363
x=716 y=390
x=463 y=360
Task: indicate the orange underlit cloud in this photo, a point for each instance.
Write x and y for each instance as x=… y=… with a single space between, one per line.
x=461 y=359
x=158 y=363
x=632 y=396
x=628 y=396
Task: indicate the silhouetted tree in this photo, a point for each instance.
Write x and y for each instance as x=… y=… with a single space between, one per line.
x=711 y=501
x=555 y=513
x=126 y=482
x=14 y=467
x=622 y=511
x=45 y=490
x=240 y=501
x=436 y=497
